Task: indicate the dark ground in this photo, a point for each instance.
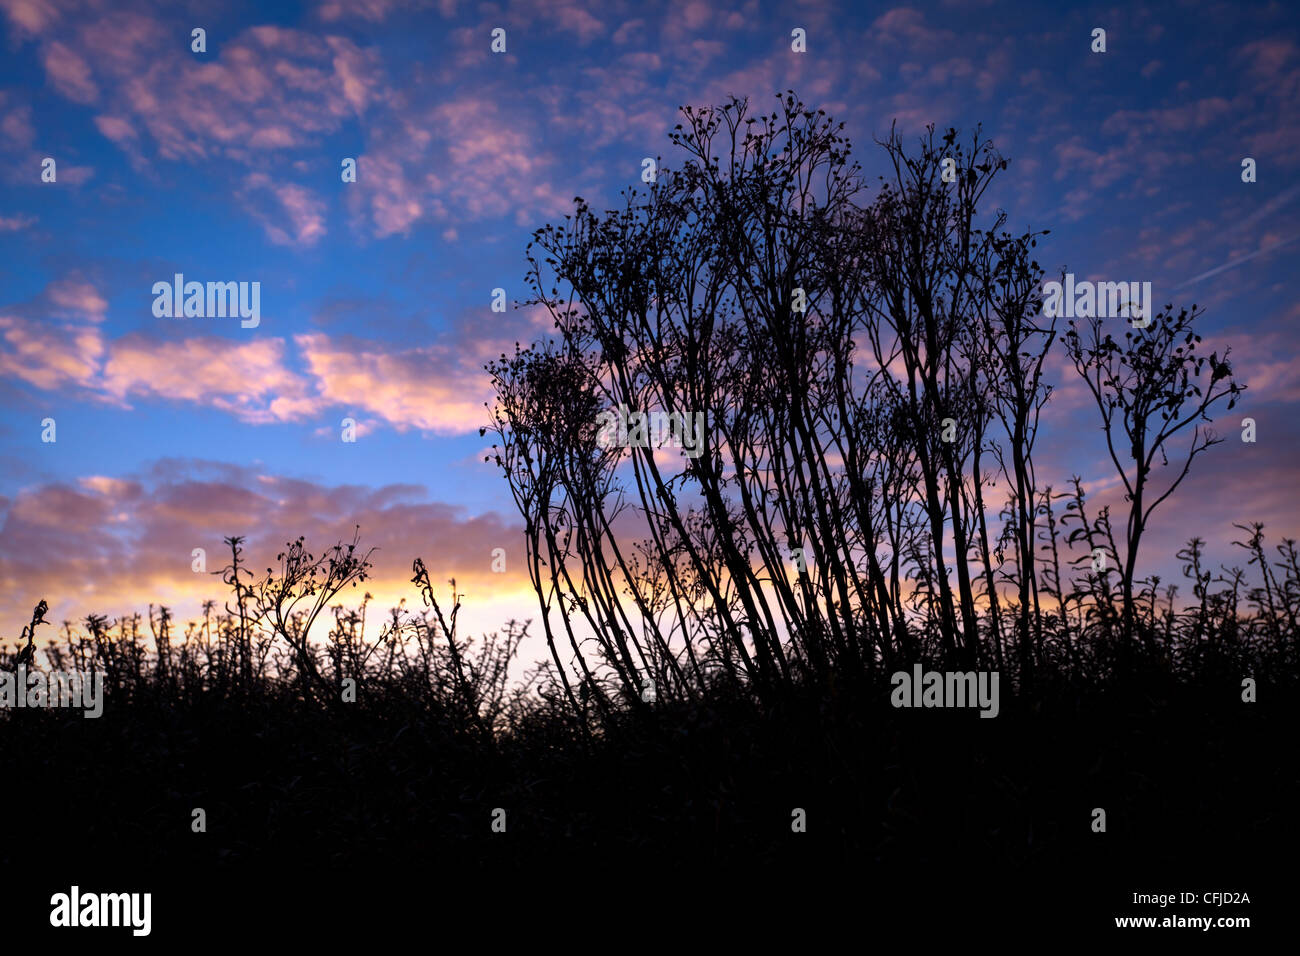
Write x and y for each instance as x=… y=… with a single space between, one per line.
x=370 y=822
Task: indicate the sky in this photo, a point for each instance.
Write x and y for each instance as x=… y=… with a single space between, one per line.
x=226 y=165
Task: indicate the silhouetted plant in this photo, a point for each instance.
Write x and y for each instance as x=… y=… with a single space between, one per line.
x=862 y=367
x=1148 y=391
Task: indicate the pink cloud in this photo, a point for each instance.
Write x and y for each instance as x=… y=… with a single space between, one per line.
x=30 y=17
x=357 y=71
x=1269 y=57
x=1187 y=118
x=908 y=26
x=374 y=11
x=116 y=128
x=267 y=88
x=69 y=73
x=247 y=379
x=484 y=162
x=628 y=30
x=50 y=357
x=55 y=343
x=76 y=297
x=115 y=544
x=305 y=211
x=1262 y=359
x=15 y=124
x=574 y=19
x=436 y=389
x=396 y=202
x=75 y=175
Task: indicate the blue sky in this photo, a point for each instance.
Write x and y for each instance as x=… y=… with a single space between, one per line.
x=224 y=165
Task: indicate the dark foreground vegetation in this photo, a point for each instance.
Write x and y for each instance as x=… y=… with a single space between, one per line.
x=873 y=375
x=397 y=789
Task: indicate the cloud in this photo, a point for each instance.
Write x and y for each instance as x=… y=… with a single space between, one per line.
x=1262 y=360
x=117 y=129
x=372 y=11
x=1282 y=199
x=304 y=210
x=1171 y=121
x=75 y=296
x=16 y=130
x=466 y=158
x=1270 y=59
x=266 y=88
x=69 y=73
x=56 y=342
x=29 y=17
x=435 y=388
x=75 y=175
x=906 y=27
x=396 y=202
x=115 y=544
x=53 y=342
x=50 y=357
x=246 y=379
x=574 y=19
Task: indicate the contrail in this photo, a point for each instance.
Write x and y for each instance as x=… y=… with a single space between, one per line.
x=1270 y=207
x=1237 y=262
